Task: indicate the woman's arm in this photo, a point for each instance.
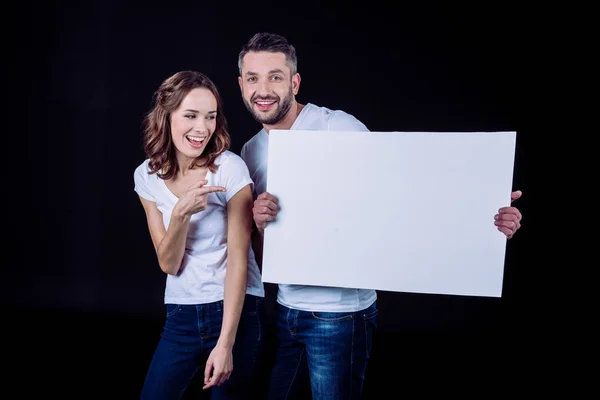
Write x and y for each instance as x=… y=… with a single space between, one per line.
x=170 y=243
x=239 y=216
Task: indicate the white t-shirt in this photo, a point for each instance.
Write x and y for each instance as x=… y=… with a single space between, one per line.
x=255 y=154
x=202 y=275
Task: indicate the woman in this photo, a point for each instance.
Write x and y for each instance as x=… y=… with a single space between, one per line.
x=197 y=196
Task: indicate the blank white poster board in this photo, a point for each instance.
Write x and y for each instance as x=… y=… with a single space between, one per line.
x=394 y=211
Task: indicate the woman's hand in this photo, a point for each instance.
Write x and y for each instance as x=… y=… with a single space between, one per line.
x=195 y=198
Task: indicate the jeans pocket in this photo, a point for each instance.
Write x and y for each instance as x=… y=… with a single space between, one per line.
x=331 y=316
x=172 y=309
x=370 y=314
x=251 y=320
x=370 y=320
x=252 y=305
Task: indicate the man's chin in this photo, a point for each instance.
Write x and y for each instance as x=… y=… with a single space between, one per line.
x=266 y=118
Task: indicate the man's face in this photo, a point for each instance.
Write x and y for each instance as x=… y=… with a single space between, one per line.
x=267 y=86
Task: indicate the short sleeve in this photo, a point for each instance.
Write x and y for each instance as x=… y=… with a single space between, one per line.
x=140 y=178
x=342 y=121
x=234 y=175
x=243 y=152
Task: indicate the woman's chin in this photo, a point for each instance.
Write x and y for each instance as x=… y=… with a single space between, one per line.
x=189 y=154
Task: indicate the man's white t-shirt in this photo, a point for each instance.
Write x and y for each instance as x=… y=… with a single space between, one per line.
x=202 y=275
x=255 y=154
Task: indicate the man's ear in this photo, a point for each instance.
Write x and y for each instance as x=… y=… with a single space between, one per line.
x=296 y=83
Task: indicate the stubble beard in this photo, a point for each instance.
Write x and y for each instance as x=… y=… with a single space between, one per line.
x=283 y=107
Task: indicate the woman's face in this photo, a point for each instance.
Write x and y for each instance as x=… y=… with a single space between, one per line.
x=193 y=123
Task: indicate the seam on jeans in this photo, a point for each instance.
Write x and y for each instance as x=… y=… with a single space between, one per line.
x=352 y=357
x=295 y=374
x=258 y=319
x=192 y=375
x=362 y=373
x=367 y=352
x=287 y=322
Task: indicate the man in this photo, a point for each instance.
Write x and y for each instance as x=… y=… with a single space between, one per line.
x=328 y=329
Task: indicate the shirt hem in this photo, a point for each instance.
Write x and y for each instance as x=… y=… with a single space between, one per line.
x=195 y=300
x=325 y=308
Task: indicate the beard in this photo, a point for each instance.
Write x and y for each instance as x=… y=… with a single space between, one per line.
x=282 y=108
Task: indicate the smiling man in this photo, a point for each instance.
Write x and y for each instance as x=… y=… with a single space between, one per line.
x=328 y=329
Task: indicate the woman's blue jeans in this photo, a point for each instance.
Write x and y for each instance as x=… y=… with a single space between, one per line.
x=190 y=333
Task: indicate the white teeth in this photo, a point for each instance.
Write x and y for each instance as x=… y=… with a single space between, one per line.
x=264 y=103
x=195 y=138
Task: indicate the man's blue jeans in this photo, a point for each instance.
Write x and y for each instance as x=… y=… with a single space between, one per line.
x=189 y=335
x=334 y=346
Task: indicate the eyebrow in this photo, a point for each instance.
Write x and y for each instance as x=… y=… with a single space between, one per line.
x=196 y=111
x=273 y=71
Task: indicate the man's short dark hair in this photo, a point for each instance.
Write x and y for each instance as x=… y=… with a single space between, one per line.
x=272 y=43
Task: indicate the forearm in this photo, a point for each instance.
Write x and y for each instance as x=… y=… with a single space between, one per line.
x=239 y=229
x=172 y=247
x=235 y=291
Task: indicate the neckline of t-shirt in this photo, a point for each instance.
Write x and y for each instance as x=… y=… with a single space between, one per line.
x=172 y=195
x=301 y=116
x=297 y=121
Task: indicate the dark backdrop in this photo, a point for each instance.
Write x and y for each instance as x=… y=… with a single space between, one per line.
x=83 y=292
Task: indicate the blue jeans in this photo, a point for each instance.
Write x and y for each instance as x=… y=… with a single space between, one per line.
x=189 y=335
x=334 y=346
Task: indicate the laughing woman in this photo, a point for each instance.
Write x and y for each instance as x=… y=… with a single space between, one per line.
x=197 y=196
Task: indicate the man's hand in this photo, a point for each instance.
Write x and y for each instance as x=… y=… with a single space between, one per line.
x=508 y=219
x=265 y=210
x=218 y=366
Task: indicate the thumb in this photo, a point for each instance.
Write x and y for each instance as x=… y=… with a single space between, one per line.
x=199 y=184
x=515 y=195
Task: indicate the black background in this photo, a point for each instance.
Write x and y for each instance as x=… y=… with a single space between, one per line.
x=83 y=289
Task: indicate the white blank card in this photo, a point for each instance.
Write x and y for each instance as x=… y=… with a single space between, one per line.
x=395 y=211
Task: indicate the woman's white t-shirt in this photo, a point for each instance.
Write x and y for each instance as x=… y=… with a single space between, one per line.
x=201 y=278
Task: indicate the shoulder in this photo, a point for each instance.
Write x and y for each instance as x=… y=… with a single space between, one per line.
x=230 y=162
x=338 y=120
x=142 y=171
x=255 y=142
x=144 y=182
x=226 y=157
x=232 y=174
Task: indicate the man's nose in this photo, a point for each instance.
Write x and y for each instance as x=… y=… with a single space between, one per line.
x=263 y=89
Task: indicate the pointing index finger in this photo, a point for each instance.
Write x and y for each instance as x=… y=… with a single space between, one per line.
x=212 y=189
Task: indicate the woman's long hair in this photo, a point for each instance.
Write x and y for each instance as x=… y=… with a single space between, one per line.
x=158 y=143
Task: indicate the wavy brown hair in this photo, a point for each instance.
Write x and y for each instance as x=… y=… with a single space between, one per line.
x=158 y=143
